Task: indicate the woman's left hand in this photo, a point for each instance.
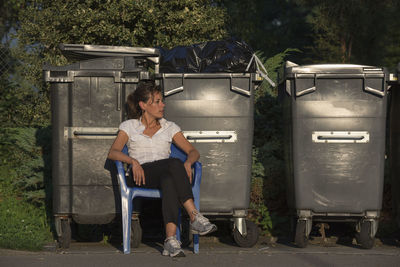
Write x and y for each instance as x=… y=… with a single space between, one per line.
x=188 y=168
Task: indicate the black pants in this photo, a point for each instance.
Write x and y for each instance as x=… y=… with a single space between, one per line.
x=169 y=175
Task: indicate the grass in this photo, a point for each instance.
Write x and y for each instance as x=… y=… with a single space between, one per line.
x=22 y=224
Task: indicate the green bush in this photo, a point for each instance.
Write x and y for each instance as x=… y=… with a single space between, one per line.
x=26 y=151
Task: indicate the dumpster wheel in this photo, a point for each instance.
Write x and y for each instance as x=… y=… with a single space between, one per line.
x=136 y=233
x=250 y=239
x=364 y=237
x=65 y=238
x=301 y=238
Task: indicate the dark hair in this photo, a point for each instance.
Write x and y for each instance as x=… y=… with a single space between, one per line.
x=143 y=92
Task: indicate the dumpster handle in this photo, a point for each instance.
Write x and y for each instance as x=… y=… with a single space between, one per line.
x=340 y=137
x=374 y=91
x=307 y=90
x=191 y=137
x=211 y=136
x=94 y=133
x=90 y=132
x=238 y=89
x=174 y=90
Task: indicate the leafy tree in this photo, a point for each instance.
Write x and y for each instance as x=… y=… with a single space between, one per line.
x=9 y=18
x=270 y=26
x=44 y=24
x=348 y=30
x=391 y=54
x=10 y=95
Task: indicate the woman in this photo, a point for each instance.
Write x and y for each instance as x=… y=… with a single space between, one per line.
x=148 y=137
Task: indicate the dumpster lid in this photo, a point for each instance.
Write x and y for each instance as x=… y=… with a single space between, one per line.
x=84 y=52
x=292 y=68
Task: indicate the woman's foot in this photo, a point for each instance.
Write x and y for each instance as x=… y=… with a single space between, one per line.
x=172 y=247
x=201 y=225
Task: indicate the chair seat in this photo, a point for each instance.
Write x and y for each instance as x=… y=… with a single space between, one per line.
x=129 y=193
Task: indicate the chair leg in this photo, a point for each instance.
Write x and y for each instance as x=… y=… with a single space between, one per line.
x=126 y=208
x=178 y=226
x=196 y=245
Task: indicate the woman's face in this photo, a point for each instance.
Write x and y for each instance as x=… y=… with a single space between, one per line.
x=155 y=106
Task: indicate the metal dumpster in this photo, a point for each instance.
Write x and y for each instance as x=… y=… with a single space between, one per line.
x=215 y=113
x=335 y=118
x=88 y=104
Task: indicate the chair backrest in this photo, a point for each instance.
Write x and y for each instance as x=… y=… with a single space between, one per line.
x=121 y=171
x=125 y=149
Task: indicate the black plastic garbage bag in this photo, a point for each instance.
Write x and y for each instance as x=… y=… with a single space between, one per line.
x=213 y=56
x=226 y=56
x=180 y=59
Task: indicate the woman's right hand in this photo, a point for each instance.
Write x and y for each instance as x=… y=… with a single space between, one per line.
x=138 y=173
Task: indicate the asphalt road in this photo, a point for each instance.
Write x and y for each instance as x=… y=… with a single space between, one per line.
x=213 y=252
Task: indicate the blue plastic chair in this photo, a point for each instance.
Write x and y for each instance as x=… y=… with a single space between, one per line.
x=129 y=193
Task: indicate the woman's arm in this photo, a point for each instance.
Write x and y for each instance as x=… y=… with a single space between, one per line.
x=116 y=153
x=192 y=153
